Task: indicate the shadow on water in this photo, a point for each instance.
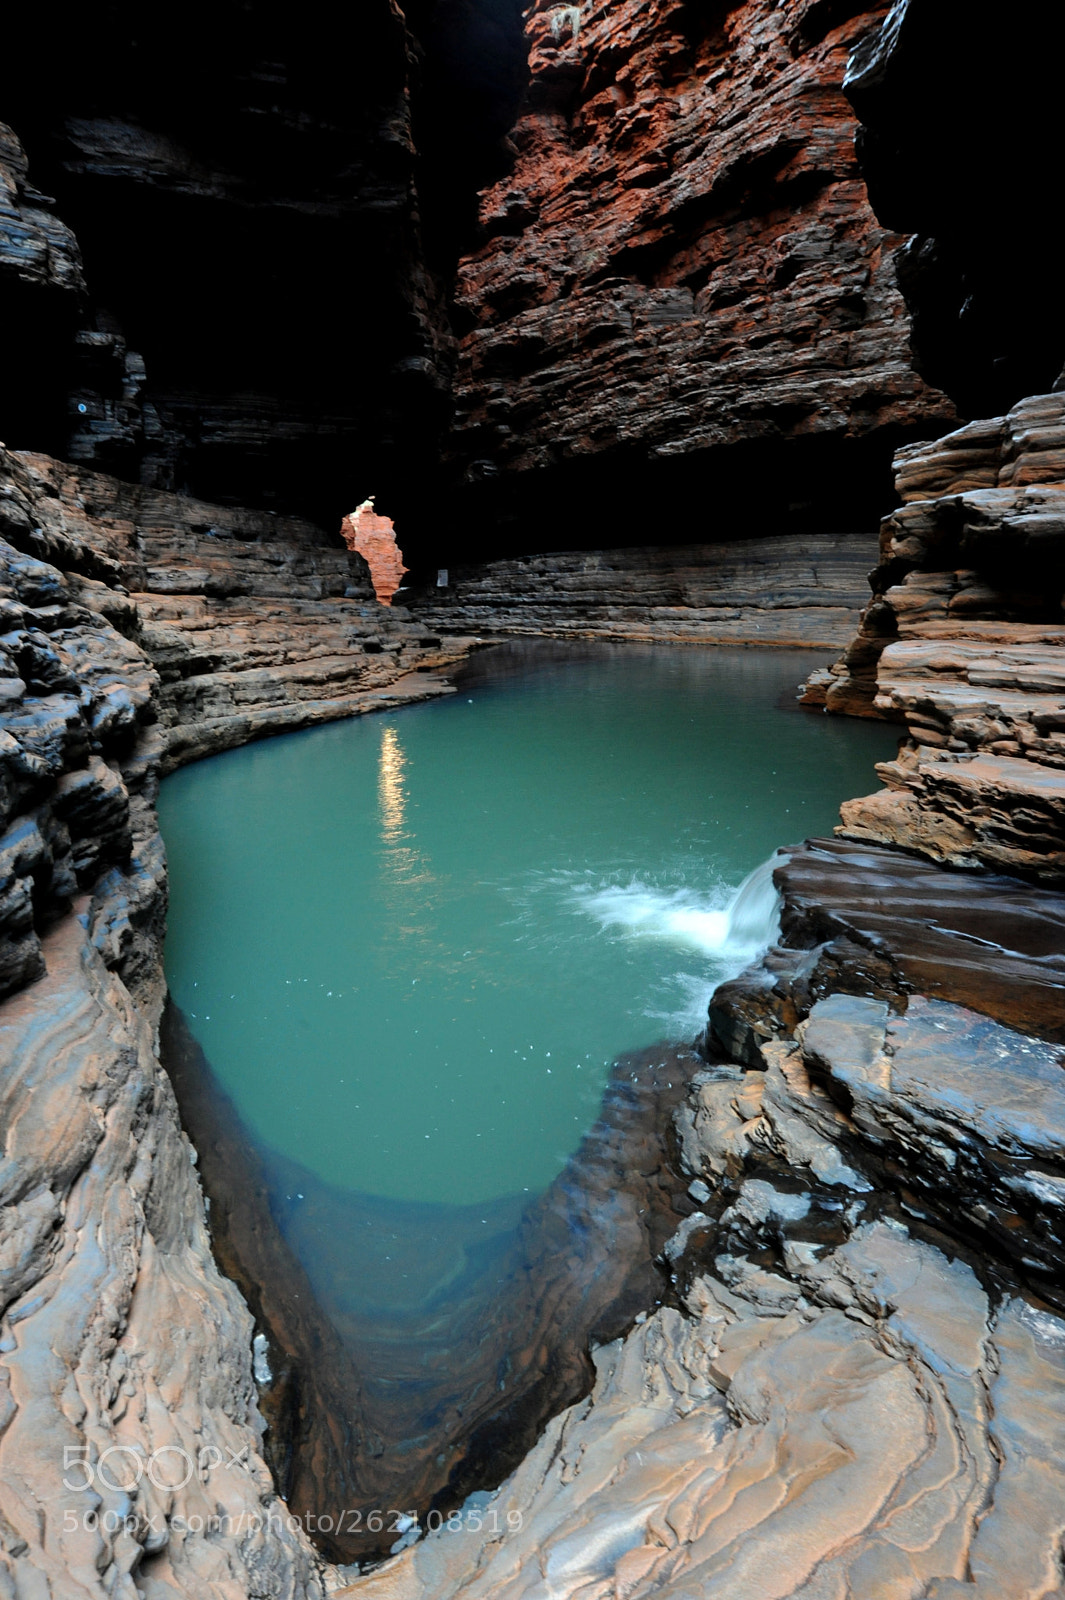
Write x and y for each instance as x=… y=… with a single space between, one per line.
x=417 y=1350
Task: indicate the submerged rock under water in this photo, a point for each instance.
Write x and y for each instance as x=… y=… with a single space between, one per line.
x=418 y=1350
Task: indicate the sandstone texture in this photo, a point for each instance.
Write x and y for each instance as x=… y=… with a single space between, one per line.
x=964 y=643
x=254 y=623
x=857 y=1386
x=130 y=1459
x=374 y=538
x=409 y=1374
x=791 y=590
x=36 y=248
x=683 y=256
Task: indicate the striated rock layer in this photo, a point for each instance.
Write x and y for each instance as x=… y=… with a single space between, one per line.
x=255 y=623
x=791 y=590
x=415 y=1356
x=237 y=208
x=683 y=259
x=964 y=643
x=130 y=1457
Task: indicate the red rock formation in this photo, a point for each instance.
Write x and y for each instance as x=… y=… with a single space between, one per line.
x=684 y=256
x=374 y=538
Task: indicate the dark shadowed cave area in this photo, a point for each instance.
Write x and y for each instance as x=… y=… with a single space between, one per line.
x=271 y=208
x=958 y=115
x=269 y=204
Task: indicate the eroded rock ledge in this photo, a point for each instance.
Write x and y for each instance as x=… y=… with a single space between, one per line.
x=794 y=589
x=684 y=255
x=964 y=643
x=130 y=1460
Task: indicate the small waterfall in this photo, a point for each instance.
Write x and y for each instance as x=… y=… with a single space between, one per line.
x=742 y=922
x=729 y=929
x=754 y=914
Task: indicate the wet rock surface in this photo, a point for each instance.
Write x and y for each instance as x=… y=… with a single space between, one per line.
x=119 y=1334
x=837 y=1405
x=792 y=590
x=902 y=925
x=856 y=1387
x=130 y=1458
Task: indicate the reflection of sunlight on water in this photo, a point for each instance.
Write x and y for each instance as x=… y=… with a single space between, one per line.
x=403 y=866
x=391 y=795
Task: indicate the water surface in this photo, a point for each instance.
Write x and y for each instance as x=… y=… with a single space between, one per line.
x=411 y=944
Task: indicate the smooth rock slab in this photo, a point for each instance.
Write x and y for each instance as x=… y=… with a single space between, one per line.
x=816 y=1455
x=119 y=1333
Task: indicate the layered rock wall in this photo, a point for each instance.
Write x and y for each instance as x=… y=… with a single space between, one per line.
x=130 y=1454
x=842 y=1399
x=964 y=643
x=683 y=258
x=131 y=1449
x=789 y=590
x=238 y=207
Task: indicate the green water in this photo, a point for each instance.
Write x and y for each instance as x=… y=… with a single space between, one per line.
x=411 y=944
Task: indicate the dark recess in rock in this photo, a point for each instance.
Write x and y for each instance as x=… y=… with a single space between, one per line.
x=743 y=490
x=256 y=192
x=961 y=128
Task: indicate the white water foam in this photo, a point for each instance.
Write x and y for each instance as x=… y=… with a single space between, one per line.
x=730 y=927
x=732 y=924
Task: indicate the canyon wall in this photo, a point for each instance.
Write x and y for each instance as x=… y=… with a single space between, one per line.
x=679 y=298
x=157 y=630
x=855 y=1386
x=682 y=299
x=791 y=590
x=243 y=192
x=964 y=644
x=682 y=269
